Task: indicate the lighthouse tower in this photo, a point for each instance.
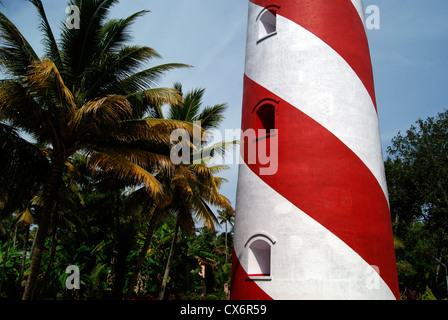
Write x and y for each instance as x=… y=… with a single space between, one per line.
x=314 y=221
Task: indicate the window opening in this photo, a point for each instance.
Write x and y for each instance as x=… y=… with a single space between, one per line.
x=259 y=258
x=267 y=24
x=266 y=117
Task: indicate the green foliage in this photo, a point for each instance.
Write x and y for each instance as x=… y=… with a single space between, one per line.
x=93 y=241
x=23 y=169
x=428 y=295
x=91 y=104
x=191 y=252
x=11 y=272
x=417 y=176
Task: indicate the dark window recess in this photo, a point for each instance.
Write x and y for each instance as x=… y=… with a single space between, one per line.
x=266 y=118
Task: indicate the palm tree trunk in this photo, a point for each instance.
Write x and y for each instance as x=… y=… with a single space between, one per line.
x=50 y=263
x=49 y=206
x=15 y=236
x=168 y=264
x=126 y=235
x=24 y=251
x=226 y=242
x=142 y=255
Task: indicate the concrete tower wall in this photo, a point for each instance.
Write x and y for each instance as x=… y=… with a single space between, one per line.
x=319 y=228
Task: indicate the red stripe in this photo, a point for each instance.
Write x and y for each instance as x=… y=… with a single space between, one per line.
x=242 y=288
x=337 y=23
x=321 y=176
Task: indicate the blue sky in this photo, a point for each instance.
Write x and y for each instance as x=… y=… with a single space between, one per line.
x=409 y=53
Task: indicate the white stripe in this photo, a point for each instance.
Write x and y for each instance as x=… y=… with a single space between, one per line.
x=304 y=71
x=307 y=260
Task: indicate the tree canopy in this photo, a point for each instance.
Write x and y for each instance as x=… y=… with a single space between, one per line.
x=91 y=109
x=417 y=172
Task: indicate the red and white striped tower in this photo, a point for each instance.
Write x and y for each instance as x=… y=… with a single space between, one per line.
x=317 y=227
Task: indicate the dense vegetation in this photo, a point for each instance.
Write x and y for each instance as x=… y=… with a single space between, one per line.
x=417 y=171
x=94 y=185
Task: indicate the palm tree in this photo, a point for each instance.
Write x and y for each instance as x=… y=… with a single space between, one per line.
x=87 y=94
x=191 y=187
x=226 y=217
x=196 y=185
x=191 y=191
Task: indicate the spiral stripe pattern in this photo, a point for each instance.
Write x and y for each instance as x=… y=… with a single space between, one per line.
x=324 y=213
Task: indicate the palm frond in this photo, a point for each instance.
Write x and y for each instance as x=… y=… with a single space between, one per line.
x=207 y=186
x=26 y=218
x=218 y=168
x=205 y=214
x=23 y=168
x=101 y=116
x=22 y=110
x=16 y=53
x=218 y=181
x=105 y=72
x=203 y=173
x=226 y=216
x=220 y=201
x=179 y=182
x=151 y=161
x=148 y=78
x=145 y=100
x=144 y=202
x=49 y=41
x=211 y=117
x=188 y=109
x=125 y=170
x=81 y=46
x=115 y=32
x=160 y=129
x=44 y=79
x=217 y=149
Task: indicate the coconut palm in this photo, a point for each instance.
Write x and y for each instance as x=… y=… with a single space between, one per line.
x=89 y=93
x=195 y=188
x=226 y=217
x=192 y=187
x=192 y=190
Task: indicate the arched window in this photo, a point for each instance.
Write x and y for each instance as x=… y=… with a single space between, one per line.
x=259 y=258
x=265 y=117
x=267 y=23
x=259 y=247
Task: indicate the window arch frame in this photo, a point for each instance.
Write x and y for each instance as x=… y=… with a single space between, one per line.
x=267 y=18
x=253 y=256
